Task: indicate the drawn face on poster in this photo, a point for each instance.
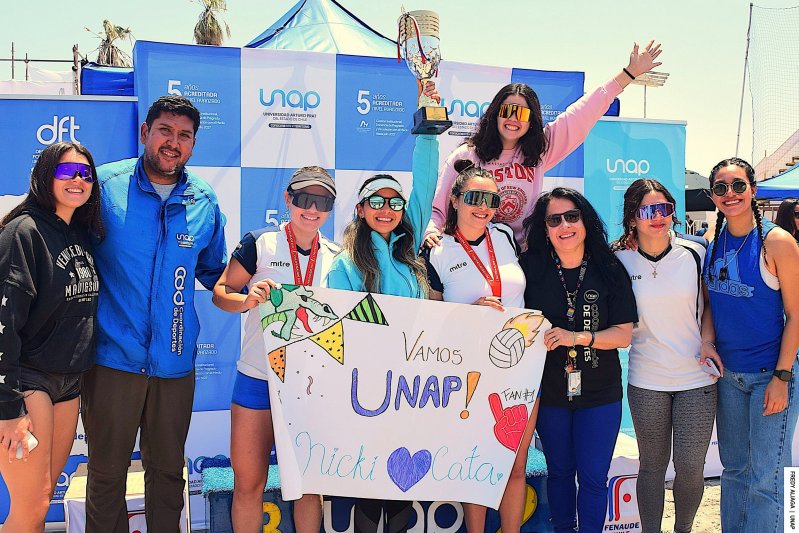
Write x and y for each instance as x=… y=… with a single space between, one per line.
x=411 y=411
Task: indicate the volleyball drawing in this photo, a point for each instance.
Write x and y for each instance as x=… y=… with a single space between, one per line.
x=507 y=348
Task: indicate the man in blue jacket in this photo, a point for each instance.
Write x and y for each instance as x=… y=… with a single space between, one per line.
x=163 y=229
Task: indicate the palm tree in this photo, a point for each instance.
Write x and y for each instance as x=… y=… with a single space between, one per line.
x=207 y=30
x=108 y=53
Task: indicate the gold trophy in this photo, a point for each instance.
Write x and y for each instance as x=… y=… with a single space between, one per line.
x=419 y=45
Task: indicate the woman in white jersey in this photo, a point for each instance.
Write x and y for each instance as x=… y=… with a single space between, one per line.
x=296 y=253
x=514 y=144
x=478 y=263
x=672 y=397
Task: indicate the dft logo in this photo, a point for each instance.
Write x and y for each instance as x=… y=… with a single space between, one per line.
x=621 y=496
x=470 y=108
x=62 y=129
x=293 y=98
x=631 y=166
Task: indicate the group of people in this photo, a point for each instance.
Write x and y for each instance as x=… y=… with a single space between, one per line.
x=98 y=270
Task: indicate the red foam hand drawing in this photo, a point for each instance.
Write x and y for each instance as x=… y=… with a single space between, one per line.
x=509 y=422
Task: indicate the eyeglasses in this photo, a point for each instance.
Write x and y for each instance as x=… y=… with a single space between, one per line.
x=646 y=212
x=571 y=216
x=476 y=198
x=377 y=202
x=508 y=110
x=305 y=200
x=720 y=188
x=68 y=171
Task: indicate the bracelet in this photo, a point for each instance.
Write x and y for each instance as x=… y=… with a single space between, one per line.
x=628 y=73
x=710 y=343
x=593 y=338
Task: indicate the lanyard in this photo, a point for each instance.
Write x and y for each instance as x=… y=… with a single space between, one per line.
x=295 y=259
x=571 y=297
x=493 y=279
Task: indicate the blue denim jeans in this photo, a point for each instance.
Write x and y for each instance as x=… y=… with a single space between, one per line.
x=754 y=449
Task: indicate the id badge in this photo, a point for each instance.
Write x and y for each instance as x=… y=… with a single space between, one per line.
x=573 y=383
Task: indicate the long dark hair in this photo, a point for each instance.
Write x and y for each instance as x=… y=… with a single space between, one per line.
x=633 y=197
x=357 y=242
x=467 y=171
x=750 y=176
x=786 y=218
x=596 y=234
x=40 y=194
x=486 y=141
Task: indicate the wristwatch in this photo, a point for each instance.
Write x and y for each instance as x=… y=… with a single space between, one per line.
x=783 y=375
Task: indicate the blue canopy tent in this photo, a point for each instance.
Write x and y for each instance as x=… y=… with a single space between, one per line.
x=786 y=185
x=324 y=26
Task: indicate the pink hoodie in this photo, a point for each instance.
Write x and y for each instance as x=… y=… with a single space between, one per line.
x=520 y=186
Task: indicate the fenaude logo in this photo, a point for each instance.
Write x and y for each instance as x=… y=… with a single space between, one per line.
x=180 y=285
x=630 y=166
x=61 y=129
x=469 y=108
x=293 y=98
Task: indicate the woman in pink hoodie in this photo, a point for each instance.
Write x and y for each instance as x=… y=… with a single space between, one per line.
x=513 y=143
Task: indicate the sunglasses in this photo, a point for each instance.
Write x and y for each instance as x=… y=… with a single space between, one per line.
x=377 y=202
x=68 y=171
x=720 y=188
x=476 y=198
x=796 y=214
x=508 y=110
x=647 y=212
x=305 y=200
x=571 y=216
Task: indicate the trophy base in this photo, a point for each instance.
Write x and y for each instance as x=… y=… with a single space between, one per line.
x=430 y=120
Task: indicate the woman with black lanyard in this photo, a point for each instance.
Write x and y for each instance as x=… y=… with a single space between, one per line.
x=297 y=253
x=672 y=397
x=584 y=291
x=477 y=263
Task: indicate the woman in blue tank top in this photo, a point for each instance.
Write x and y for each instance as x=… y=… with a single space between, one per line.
x=752 y=278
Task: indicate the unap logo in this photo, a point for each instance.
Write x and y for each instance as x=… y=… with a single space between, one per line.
x=622 y=497
x=293 y=98
x=470 y=108
x=631 y=166
x=61 y=129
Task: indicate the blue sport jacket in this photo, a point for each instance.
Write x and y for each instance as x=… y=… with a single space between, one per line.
x=152 y=252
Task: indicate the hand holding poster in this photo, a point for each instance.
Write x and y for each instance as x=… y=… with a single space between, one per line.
x=385 y=397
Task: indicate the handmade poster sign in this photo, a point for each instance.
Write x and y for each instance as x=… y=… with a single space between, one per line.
x=385 y=397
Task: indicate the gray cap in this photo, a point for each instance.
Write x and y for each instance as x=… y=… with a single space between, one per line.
x=312 y=177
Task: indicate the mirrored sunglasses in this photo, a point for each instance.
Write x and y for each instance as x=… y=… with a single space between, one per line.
x=476 y=198
x=571 y=216
x=377 y=202
x=647 y=212
x=720 y=188
x=305 y=200
x=508 y=110
x=68 y=171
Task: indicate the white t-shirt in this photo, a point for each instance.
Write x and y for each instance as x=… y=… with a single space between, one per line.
x=265 y=254
x=666 y=341
x=452 y=272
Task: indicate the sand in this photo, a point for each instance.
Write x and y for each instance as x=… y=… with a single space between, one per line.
x=707 y=518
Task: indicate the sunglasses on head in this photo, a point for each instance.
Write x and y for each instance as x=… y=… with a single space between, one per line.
x=720 y=188
x=508 y=110
x=477 y=198
x=646 y=212
x=571 y=216
x=68 y=171
x=305 y=200
x=377 y=202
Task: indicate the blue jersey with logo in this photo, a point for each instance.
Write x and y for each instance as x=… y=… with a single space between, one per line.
x=148 y=261
x=742 y=301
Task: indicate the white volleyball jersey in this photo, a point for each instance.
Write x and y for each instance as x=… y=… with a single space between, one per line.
x=265 y=254
x=452 y=272
x=666 y=340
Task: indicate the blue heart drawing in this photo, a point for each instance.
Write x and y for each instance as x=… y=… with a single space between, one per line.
x=406 y=471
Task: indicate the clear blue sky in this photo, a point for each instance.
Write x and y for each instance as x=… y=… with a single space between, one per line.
x=704 y=43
